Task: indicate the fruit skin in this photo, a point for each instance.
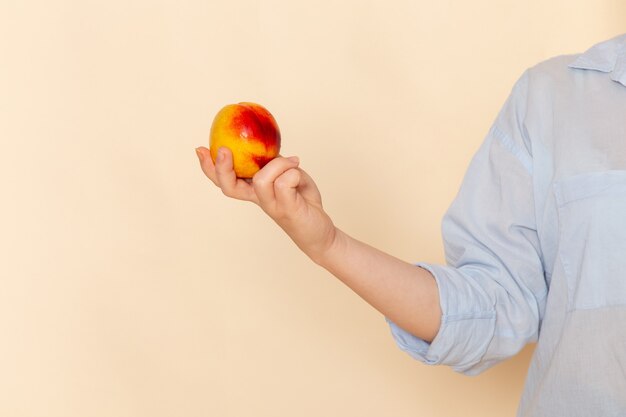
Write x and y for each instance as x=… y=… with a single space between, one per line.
x=250 y=132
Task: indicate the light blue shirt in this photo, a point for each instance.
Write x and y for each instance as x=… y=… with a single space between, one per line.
x=535 y=241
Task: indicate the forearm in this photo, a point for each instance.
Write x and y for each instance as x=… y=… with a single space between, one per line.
x=404 y=293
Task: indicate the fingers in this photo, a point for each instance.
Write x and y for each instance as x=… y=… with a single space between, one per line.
x=286 y=188
x=264 y=181
x=308 y=190
x=224 y=171
x=269 y=187
x=206 y=163
x=222 y=174
x=273 y=186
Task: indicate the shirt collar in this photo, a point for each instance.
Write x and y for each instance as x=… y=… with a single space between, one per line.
x=608 y=56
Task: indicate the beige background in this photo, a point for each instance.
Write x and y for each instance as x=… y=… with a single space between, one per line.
x=131 y=287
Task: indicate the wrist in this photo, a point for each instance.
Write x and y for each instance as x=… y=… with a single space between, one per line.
x=335 y=244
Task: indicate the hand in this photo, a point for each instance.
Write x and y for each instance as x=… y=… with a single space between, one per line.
x=284 y=191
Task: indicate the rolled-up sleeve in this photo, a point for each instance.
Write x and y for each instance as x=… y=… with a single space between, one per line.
x=492 y=289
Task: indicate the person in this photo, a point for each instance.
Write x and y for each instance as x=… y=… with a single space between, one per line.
x=535 y=241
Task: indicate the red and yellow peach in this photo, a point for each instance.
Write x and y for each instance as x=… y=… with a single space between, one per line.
x=250 y=132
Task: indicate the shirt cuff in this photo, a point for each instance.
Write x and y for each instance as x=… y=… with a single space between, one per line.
x=463 y=336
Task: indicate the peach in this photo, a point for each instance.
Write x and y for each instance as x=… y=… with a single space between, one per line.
x=250 y=132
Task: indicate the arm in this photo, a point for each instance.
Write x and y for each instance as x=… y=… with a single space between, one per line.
x=406 y=294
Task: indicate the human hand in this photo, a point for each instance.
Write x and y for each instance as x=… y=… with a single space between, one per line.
x=284 y=191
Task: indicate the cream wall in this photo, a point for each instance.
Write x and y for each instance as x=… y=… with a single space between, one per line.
x=131 y=287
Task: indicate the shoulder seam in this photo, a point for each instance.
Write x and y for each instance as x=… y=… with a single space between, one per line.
x=510 y=145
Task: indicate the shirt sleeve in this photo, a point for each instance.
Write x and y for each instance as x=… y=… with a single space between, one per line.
x=492 y=288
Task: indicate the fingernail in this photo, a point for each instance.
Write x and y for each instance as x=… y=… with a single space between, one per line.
x=200 y=157
x=294 y=159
